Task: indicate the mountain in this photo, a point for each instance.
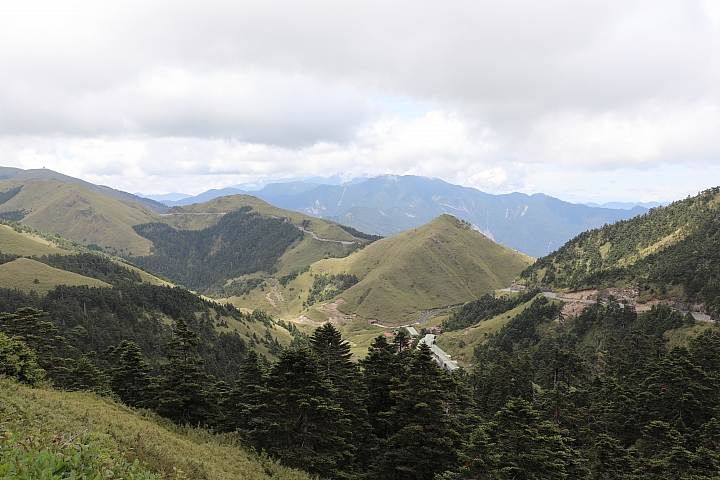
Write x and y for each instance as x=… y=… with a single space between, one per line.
x=10 y=173
x=76 y=212
x=388 y=204
x=626 y=205
x=671 y=251
x=306 y=239
x=393 y=280
x=171 y=197
x=198 y=246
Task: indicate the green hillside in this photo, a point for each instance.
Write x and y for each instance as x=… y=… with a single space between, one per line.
x=669 y=252
x=77 y=213
x=30 y=275
x=239 y=237
x=23 y=244
x=49 y=422
x=442 y=263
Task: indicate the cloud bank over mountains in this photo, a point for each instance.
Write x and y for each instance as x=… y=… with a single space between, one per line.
x=168 y=96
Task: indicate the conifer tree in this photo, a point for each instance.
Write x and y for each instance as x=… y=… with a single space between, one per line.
x=532 y=448
x=28 y=325
x=428 y=433
x=129 y=377
x=245 y=400
x=183 y=392
x=381 y=365
x=299 y=422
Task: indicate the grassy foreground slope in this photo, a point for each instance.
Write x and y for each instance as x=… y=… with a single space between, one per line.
x=79 y=214
x=441 y=263
x=117 y=431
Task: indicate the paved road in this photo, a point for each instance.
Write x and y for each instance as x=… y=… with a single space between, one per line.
x=314 y=235
x=429 y=314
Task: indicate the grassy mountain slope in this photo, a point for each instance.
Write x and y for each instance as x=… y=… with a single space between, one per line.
x=26 y=275
x=670 y=251
x=323 y=228
x=302 y=252
x=10 y=173
x=117 y=432
x=79 y=214
x=444 y=262
x=23 y=244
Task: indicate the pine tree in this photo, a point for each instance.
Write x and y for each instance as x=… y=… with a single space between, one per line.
x=184 y=389
x=129 y=377
x=28 y=326
x=240 y=409
x=381 y=365
x=335 y=356
x=299 y=422
x=18 y=361
x=532 y=448
x=428 y=433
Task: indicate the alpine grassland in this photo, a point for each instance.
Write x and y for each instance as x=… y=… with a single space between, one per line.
x=80 y=214
x=55 y=434
x=23 y=244
x=28 y=275
x=444 y=262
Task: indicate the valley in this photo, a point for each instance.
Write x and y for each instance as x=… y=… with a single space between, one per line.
x=225 y=313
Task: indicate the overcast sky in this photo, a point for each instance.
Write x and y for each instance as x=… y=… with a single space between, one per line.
x=586 y=101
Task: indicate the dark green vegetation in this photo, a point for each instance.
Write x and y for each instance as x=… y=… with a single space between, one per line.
x=240 y=243
x=600 y=395
x=673 y=250
x=358 y=234
x=326 y=287
x=484 y=308
x=95 y=319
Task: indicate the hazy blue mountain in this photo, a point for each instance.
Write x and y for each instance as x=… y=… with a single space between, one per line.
x=166 y=197
x=627 y=205
x=11 y=173
x=206 y=196
x=386 y=205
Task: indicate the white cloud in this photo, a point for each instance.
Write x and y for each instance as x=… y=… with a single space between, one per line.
x=190 y=95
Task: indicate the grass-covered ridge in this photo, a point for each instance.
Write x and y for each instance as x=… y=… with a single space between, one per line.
x=28 y=275
x=115 y=436
x=80 y=214
x=444 y=262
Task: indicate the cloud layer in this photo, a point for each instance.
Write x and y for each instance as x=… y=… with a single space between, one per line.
x=192 y=95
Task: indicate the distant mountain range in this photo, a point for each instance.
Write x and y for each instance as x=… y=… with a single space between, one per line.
x=388 y=204
x=627 y=205
x=532 y=224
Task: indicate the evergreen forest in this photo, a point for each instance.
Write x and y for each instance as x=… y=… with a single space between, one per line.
x=603 y=394
x=240 y=243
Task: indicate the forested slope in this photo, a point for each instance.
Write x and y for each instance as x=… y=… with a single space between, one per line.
x=673 y=250
x=239 y=243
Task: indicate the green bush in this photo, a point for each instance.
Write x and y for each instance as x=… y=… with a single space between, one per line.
x=18 y=361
